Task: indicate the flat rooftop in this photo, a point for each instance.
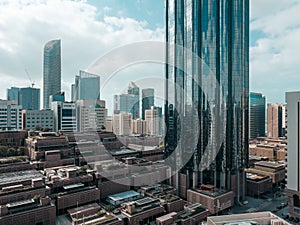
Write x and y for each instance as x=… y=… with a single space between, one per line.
x=18 y=177
x=274 y=165
x=124 y=195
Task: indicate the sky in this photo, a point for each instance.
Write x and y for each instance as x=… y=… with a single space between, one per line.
x=89 y=29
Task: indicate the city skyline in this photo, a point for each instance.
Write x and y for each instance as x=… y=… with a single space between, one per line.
x=267 y=58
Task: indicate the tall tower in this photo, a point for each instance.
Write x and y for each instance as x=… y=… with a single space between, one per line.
x=147 y=100
x=217 y=32
x=257 y=115
x=275 y=123
x=52 y=70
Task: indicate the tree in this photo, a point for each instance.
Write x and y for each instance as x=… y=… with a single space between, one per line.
x=11 y=152
x=21 y=151
x=3 y=150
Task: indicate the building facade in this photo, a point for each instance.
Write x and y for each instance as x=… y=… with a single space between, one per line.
x=10 y=115
x=275 y=120
x=52 y=70
x=13 y=93
x=147 y=100
x=153 y=121
x=293 y=153
x=86 y=87
x=257 y=115
x=38 y=119
x=122 y=123
x=65 y=116
x=207 y=73
x=127 y=103
x=29 y=98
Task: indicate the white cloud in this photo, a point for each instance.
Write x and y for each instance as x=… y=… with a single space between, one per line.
x=26 y=25
x=275 y=56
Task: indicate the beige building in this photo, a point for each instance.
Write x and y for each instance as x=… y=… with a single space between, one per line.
x=122 y=123
x=109 y=124
x=139 y=126
x=152 y=119
x=275 y=120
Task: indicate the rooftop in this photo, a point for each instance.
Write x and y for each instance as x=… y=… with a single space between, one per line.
x=18 y=177
x=124 y=195
x=270 y=164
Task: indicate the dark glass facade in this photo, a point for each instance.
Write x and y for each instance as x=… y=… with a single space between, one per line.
x=52 y=70
x=257 y=115
x=29 y=98
x=214 y=88
x=147 y=100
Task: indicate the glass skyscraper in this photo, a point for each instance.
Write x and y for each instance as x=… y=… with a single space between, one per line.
x=207 y=87
x=29 y=98
x=147 y=100
x=257 y=119
x=52 y=70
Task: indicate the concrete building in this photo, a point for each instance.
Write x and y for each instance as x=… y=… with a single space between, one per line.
x=275 y=119
x=257 y=184
x=263 y=218
x=12 y=138
x=86 y=87
x=109 y=124
x=10 y=115
x=147 y=100
x=139 y=126
x=122 y=123
x=65 y=116
x=51 y=70
x=213 y=199
x=293 y=153
x=257 y=115
x=274 y=152
x=153 y=121
x=32 y=119
x=91 y=115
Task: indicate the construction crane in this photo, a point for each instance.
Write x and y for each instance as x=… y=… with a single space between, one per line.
x=31 y=82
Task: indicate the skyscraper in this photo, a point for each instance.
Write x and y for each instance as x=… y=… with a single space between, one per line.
x=52 y=70
x=29 y=98
x=133 y=89
x=147 y=100
x=257 y=115
x=218 y=33
x=86 y=87
x=293 y=153
x=275 y=120
x=13 y=94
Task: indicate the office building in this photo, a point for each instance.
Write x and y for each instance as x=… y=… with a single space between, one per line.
x=38 y=119
x=59 y=97
x=139 y=126
x=275 y=120
x=91 y=115
x=218 y=33
x=10 y=115
x=65 y=116
x=293 y=153
x=52 y=70
x=257 y=115
x=153 y=121
x=122 y=123
x=86 y=87
x=13 y=93
x=29 y=98
x=147 y=100
x=127 y=103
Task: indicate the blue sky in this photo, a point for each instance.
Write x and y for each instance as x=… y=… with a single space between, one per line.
x=91 y=28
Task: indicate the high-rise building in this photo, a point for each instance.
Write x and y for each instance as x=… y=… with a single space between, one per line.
x=29 y=98
x=147 y=100
x=139 y=126
x=217 y=32
x=122 y=123
x=152 y=118
x=127 y=103
x=10 y=116
x=65 y=116
x=275 y=119
x=52 y=70
x=293 y=153
x=13 y=93
x=134 y=90
x=257 y=115
x=86 y=87
x=91 y=115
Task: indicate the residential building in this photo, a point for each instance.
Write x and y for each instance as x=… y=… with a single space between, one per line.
x=91 y=115
x=147 y=100
x=293 y=153
x=38 y=119
x=211 y=105
x=86 y=87
x=122 y=123
x=275 y=120
x=257 y=115
x=51 y=70
x=10 y=115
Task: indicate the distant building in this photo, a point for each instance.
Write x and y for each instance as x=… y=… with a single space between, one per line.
x=58 y=97
x=147 y=100
x=257 y=115
x=108 y=124
x=153 y=121
x=86 y=87
x=122 y=123
x=65 y=116
x=13 y=93
x=52 y=70
x=29 y=98
x=127 y=103
x=10 y=116
x=139 y=126
x=33 y=119
x=293 y=153
x=91 y=115
x=275 y=120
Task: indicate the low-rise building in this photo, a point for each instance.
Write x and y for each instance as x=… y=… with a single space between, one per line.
x=257 y=184
x=38 y=119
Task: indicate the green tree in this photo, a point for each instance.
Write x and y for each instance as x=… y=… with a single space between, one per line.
x=3 y=150
x=11 y=152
